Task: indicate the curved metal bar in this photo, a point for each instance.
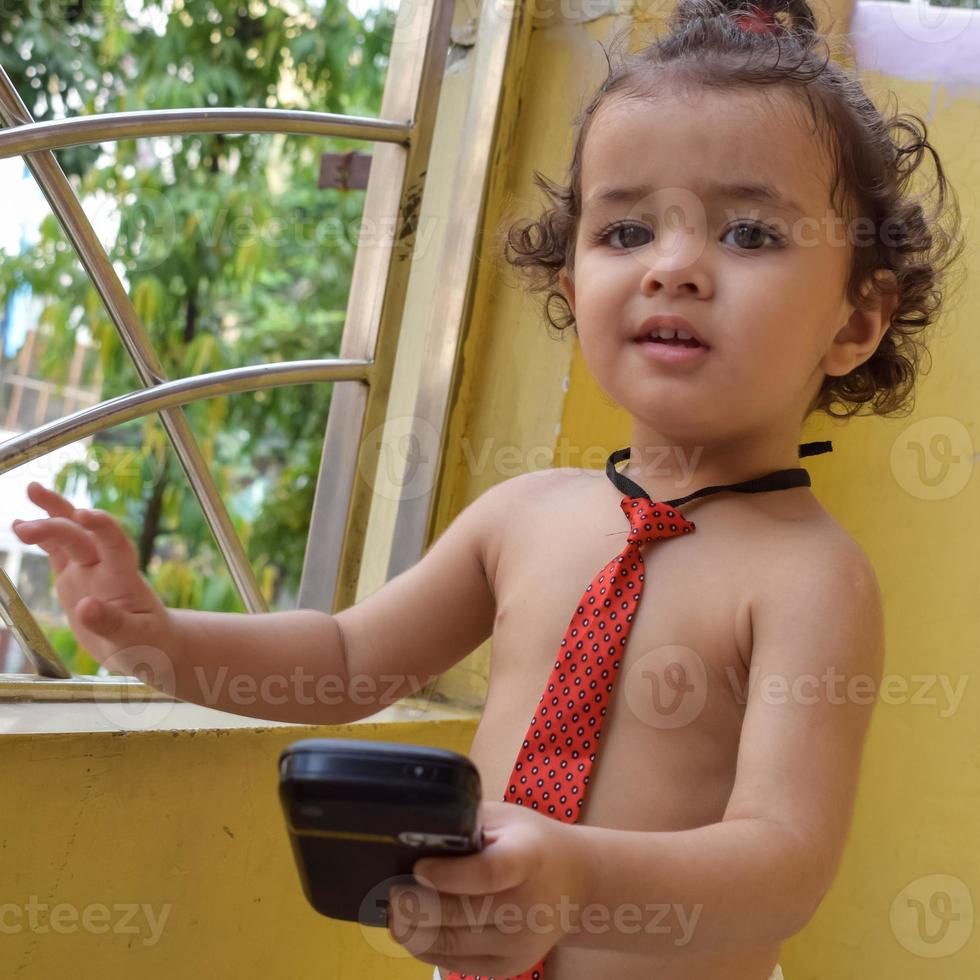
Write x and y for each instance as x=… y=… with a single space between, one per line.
x=111 y=126
x=96 y=418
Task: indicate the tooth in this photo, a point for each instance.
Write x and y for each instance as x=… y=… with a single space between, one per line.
x=684 y=335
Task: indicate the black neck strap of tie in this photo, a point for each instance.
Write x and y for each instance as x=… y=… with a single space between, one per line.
x=777 y=480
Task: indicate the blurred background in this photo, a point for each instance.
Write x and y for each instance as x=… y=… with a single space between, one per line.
x=231 y=249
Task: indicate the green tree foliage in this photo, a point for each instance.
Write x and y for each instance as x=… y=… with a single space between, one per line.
x=229 y=251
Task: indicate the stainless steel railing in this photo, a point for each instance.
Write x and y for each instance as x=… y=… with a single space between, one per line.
x=399 y=165
x=416 y=67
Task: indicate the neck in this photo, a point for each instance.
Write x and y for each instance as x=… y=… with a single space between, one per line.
x=668 y=467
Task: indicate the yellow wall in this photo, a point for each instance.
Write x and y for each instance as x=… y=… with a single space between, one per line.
x=187 y=823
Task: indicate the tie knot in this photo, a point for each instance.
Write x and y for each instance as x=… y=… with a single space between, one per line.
x=651 y=521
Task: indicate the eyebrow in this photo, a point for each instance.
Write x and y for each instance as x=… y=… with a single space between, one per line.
x=759 y=191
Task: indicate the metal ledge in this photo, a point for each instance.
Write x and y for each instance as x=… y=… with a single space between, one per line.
x=33 y=706
x=81 y=687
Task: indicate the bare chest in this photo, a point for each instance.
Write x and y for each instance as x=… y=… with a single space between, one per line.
x=669 y=740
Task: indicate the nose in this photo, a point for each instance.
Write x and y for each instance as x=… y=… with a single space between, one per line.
x=681 y=271
x=675 y=261
x=684 y=282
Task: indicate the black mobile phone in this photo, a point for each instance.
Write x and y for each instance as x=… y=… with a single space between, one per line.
x=360 y=814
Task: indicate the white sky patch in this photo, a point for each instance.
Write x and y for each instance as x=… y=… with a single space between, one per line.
x=360 y=7
x=919 y=41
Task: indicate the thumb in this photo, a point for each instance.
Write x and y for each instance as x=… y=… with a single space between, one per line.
x=149 y=664
x=100 y=617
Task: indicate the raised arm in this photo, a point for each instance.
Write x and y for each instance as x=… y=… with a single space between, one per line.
x=301 y=665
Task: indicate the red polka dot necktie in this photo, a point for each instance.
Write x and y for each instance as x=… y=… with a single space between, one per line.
x=552 y=770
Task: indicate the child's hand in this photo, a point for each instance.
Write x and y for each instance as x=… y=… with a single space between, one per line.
x=111 y=608
x=498 y=912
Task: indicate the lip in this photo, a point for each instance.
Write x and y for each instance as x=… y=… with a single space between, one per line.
x=669 y=353
x=670 y=323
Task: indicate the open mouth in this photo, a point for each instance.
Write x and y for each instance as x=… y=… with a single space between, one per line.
x=672 y=342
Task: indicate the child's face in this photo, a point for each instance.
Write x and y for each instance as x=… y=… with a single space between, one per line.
x=769 y=308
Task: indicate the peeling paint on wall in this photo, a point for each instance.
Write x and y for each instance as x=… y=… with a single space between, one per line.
x=561 y=13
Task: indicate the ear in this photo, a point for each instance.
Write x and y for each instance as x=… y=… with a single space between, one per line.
x=859 y=338
x=568 y=287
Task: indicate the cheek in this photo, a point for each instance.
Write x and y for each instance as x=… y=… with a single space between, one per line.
x=591 y=341
x=604 y=284
x=603 y=354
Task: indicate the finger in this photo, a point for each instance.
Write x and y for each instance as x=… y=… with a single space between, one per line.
x=56 y=556
x=419 y=922
x=497 y=868
x=50 y=500
x=59 y=534
x=111 y=541
x=417 y=907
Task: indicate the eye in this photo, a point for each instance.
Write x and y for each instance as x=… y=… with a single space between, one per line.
x=619 y=226
x=750 y=232
x=755 y=230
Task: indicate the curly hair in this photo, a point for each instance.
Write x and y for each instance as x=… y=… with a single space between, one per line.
x=873 y=158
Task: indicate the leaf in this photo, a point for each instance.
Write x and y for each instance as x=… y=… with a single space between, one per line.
x=217 y=413
x=246 y=260
x=200 y=355
x=148 y=299
x=108 y=341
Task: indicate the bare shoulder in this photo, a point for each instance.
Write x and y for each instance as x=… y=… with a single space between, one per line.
x=830 y=550
x=507 y=506
x=796 y=535
x=816 y=570
x=532 y=485
x=504 y=501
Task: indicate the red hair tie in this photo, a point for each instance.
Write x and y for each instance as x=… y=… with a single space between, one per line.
x=758 y=21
